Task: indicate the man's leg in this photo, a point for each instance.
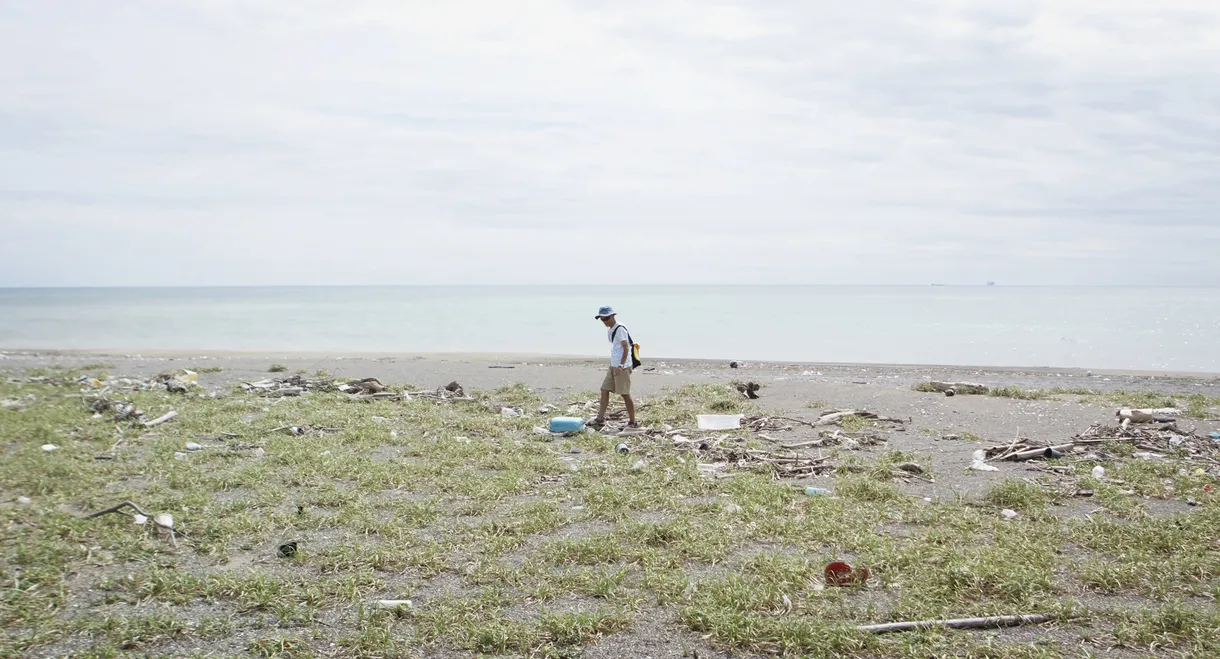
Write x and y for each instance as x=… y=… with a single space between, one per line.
x=630 y=407
x=607 y=387
x=601 y=407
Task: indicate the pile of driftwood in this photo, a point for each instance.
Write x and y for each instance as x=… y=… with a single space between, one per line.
x=294 y=385
x=1153 y=436
x=953 y=388
x=124 y=411
x=715 y=455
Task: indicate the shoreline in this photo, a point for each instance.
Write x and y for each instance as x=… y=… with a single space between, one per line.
x=573 y=360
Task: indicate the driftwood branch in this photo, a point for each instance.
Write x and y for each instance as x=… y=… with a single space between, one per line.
x=115 y=509
x=960 y=623
x=168 y=416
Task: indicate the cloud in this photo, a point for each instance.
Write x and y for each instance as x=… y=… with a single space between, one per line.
x=768 y=141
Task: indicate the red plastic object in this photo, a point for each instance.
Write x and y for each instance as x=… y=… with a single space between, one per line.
x=839 y=573
x=1207 y=488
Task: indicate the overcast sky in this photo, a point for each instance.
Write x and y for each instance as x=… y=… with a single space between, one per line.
x=756 y=141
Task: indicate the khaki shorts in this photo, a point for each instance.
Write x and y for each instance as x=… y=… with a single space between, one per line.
x=618 y=384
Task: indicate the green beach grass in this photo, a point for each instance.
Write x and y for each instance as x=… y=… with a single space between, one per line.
x=513 y=544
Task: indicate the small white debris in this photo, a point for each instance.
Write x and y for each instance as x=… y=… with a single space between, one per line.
x=258 y=452
x=323 y=454
x=639 y=464
x=49 y=447
x=393 y=434
x=508 y=411
x=1147 y=456
x=24 y=501
x=394 y=604
x=1009 y=514
x=381 y=419
x=539 y=430
x=192 y=446
x=179 y=455
x=164 y=520
x=1099 y=472
x=140 y=520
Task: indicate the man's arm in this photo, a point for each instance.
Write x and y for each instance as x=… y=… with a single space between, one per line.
x=626 y=354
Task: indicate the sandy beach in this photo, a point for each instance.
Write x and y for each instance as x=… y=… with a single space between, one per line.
x=1038 y=407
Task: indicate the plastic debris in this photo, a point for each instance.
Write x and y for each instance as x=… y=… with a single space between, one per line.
x=1009 y=513
x=1147 y=456
x=164 y=521
x=24 y=501
x=979 y=462
x=719 y=421
x=508 y=411
x=259 y=452
x=818 y=492
x=623 y=449
x=567 y=424
x=179 y=455
x=49 y=447
x=192 y=446
x=1099 y=472
x=394 y=604
x=842 y=574
x=140 y=520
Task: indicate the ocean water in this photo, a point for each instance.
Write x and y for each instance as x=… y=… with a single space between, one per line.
x=1116 y=328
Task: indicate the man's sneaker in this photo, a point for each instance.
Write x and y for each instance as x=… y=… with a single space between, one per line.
x=597 y=422
x=633 y=424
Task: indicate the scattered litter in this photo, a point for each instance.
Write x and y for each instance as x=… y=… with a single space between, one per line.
x=380 y=419
x=179 y=455
x=818 y=492
x=323 y=454
x=286 y=550
x=567 y=424
x=394 y=604
x=1190 y=501
x=24 y=501
x=508 y=411
x=139 y=519
x=639 y=465
x=49 y=447
x=577 y=450
x=749 y=390
x=979 y=461
x=258 y=452
x=1215 y=435
x=1009 y=513
x=163 y=521
x=623 y=449
x=1099 y=472
x=719 y=421
x=192 y=446
x=842 y=574
x=1147 y=456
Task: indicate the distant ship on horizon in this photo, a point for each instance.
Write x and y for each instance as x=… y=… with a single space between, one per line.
x=991 y=283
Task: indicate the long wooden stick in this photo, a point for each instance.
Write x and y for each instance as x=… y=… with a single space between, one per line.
x=160 y=420
x=960 y=623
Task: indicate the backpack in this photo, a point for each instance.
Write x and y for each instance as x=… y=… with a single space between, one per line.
x=635 y=348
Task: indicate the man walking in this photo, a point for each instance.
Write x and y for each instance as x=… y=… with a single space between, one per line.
x=618 y=378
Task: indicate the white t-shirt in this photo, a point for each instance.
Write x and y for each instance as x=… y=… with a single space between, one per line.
x=617 y=335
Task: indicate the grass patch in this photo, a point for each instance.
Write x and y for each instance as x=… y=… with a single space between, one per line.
x=277 y=368
x=514 y=546
x=206 y=369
